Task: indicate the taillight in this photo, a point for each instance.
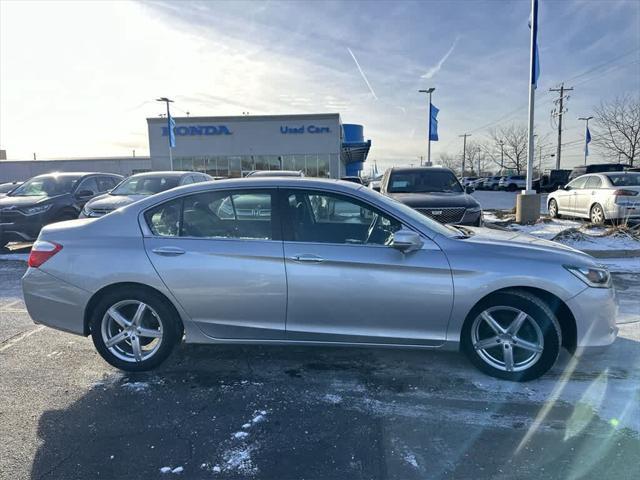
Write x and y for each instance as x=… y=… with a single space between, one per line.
x=42 y=251
x=625 y=193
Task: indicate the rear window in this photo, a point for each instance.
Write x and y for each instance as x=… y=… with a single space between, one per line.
x=624 y=179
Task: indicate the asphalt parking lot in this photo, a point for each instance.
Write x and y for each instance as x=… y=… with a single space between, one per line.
x=308 y=413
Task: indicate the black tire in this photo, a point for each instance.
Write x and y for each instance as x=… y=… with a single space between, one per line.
x=172 y=329
x=553 y=209
x=537 y=311
x=512 y=187
x=596 y=214
x=64 y=216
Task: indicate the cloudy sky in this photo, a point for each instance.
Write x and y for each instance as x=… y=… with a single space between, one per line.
x=78 y=79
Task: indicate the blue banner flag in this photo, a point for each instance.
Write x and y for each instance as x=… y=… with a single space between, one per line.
x=587 y=140
x=433 y=124
x=171 y=123
x=535 y=66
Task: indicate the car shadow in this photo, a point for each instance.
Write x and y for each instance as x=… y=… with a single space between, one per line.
x=319 y=413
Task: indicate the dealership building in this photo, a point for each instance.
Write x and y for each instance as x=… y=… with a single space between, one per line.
x=320 y=145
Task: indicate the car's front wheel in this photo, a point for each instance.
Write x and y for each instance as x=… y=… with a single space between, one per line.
x=135 y=330
x=512 y=335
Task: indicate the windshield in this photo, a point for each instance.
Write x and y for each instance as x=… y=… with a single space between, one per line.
x=625 y=179
x=423 y=181
x=46 y=186
x=416 y=216
x=146 y=185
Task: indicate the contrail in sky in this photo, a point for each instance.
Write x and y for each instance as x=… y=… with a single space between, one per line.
x=436 y=68
x=364 y=77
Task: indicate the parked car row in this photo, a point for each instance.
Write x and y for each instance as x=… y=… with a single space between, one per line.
x=56 y=197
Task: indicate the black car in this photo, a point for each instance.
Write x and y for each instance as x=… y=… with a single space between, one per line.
x=433 y=191
x=8 y=187
x=48 y=198
x=595 y=168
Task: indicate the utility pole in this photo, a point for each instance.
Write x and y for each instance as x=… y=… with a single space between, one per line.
x=560 y=103
x=428 y=91
x=464 y=151
x=170 y=127
x=501 y=156
x=586 y=129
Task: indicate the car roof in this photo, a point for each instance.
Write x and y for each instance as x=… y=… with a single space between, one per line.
x=416 y=169
x=75 y=174
x=250 y=183
x=169 y=173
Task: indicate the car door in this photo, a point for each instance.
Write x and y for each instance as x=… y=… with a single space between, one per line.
x=345 y=284
x=86 y=190
x=566 y=197
x=585 y=195
x=220 y=254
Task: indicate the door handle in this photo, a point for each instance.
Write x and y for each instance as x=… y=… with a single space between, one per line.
x=307 y=258
x=168 y=251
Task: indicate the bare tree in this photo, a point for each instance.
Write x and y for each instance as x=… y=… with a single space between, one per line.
x=616 y=131
x=515 y=139
x=450 y=161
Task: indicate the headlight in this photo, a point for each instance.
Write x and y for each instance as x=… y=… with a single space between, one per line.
x=592 y=276
x=87 y=212
x=35 y=210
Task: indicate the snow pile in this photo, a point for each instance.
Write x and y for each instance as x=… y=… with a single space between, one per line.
x=135 y=386
x=237 y=458
x=172 y=470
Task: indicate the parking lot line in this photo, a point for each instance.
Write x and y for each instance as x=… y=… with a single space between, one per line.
x=18 y=338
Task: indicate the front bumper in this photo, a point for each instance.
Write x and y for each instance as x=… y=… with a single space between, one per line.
x=473 y=219
x=54 y=302
x=14 y=226
x=595 y=311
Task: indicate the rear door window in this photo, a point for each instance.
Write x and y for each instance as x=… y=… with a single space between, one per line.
x=578 y=183
x=219 y=214
x=593 y=182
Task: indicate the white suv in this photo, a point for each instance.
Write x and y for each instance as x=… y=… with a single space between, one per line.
x=513 y=182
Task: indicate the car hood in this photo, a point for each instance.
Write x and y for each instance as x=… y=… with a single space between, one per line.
x=113 y=202
x=508 y=239
x=22 y=202
x=435 y=199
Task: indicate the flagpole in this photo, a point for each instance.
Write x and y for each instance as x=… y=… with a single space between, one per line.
x=429 y=91
x=532 y=95
x=167 y=101
x=586 y=141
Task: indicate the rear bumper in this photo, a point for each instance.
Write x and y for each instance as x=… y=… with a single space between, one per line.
x=623 y=211
x=595 y=311
x=53 y=302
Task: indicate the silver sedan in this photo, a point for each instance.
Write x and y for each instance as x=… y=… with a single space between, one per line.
x=598 y=197
x=313 y=262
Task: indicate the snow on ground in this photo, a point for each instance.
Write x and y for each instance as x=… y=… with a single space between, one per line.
x=622 y=265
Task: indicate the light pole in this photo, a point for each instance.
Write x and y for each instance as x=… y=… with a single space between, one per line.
x=428 y=91
x=586 y=129
x=170 y=128
x=501 y=156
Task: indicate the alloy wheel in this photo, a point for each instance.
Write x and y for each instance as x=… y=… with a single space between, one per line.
x=597 y=215
x=132 y=330
x=553 y=209
x=507 y=338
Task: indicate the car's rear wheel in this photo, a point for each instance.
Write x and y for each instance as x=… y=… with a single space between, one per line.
x=512 y=187
x=135 y=330
x=596 y=215
x=512 y=335
x=553 y=209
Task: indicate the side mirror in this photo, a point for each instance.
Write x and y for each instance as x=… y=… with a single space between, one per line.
x=566 y=187
x=376 y=188
x=406 y=241
x=82 y=194
x=469 y=189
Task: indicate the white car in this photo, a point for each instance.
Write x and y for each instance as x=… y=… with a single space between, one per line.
x=513 y=183
x=598 y=197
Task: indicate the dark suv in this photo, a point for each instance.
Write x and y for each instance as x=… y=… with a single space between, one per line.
x=434 y=192
x=48 y=198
